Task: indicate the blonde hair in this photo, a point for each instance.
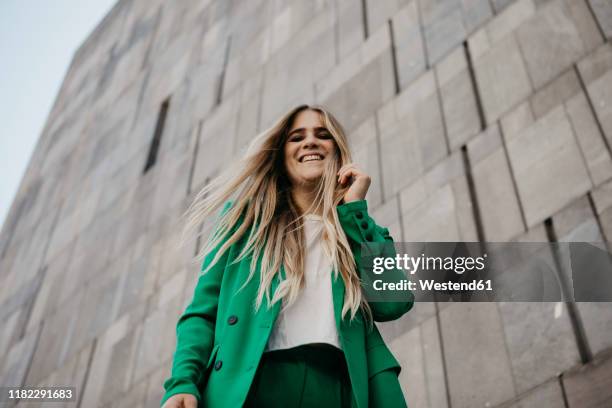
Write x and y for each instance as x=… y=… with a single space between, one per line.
x=275 y=228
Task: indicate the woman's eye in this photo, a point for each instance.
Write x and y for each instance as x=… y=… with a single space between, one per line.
x=295 y=138
x=325 y=135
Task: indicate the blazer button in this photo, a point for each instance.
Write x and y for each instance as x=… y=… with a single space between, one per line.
x=364 y=225
x=218 y=365
x=369 y=237
x=359 y=215
x=232 y=320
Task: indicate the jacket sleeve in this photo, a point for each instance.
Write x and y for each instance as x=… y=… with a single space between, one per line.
x=195 y=330
x=360 y=228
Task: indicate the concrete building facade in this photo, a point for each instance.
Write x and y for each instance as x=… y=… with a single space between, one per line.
x=477 y=119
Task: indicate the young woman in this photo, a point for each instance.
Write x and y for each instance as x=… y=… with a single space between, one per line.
x=278 y=317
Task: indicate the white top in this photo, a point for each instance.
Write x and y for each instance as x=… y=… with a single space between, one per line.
x=310 y=319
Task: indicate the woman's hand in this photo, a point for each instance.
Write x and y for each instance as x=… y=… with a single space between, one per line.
x=181 y=401
x=359 y=182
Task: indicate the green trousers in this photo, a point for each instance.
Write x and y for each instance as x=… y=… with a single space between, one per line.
x=310 y=375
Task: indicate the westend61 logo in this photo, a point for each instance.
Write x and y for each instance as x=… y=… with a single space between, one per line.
x=491 y=271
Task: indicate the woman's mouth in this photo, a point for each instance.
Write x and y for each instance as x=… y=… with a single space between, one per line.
x=311 y=157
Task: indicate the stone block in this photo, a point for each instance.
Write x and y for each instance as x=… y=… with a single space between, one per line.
x=412 y=134
x=351 y=33
x=590 y=386
x=15 y=364
x=578 y=223
x=380 y=11
x=461 y=115
x=438 y=213
x=499 y=207
x=554 y=93
x=419 y=353
x=540 y=341
x=510 y=19
x=501 y=77
x=596 y=71
x=591 y=141
x=447 y=23
x=364 y=93
x=409 y=52
x=366 y=155
x=469 y=332
x=603 y=12
x=546 y=157
x=216 y=144
x=378 y=43
x=499 y=5
x=551 y=41
x=388 y=215
x=547 y=395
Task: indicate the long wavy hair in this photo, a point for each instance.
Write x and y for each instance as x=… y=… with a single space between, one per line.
x=260 y=191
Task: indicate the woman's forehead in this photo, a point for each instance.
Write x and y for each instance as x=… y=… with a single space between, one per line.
x=308 y=119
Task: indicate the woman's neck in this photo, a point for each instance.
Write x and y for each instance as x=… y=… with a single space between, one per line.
x=304 y=198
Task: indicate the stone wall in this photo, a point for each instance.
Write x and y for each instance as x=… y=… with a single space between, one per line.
x=477 y=119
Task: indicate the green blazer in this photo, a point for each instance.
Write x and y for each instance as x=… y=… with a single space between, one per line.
x=220 y=338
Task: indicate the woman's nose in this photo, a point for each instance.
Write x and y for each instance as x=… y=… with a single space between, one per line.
x=310 y=141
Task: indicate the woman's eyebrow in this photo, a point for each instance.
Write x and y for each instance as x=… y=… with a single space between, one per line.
x=317 y=129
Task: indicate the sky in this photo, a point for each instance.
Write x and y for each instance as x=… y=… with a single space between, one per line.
x=37 y=42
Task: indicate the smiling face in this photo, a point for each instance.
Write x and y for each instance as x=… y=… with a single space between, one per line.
x=308 y=147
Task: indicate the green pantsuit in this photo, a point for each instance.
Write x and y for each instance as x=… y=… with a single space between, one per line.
x=221 y=339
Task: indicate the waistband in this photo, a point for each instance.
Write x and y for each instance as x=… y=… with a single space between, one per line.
x=322 y=354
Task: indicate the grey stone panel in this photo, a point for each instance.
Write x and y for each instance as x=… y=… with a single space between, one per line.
x=547 y=395
x=114 y=340
x=578 y=223
x=158 y=336
x=540 y=341
x=388 y=216
x=469 y=332
x=364 y=93
x=422 y=377
x=545 y=157
x=459 y=104
x=411 y=134
x=603 y=13
x=499 y=5
x=289 y=29
x=291 y=74
x=447 y=23
x=501 y=76
x=217 y=139
x=409 y=46
x=51 y=349
x=602 y=200
x=590 y=386
x=14 y=365
x=437 y=207
x=351 y=33
x=552 y=40
x=380 y=11
x=366 y=155
x=590 y=139
x=596 y=72
x=494 y=187
x=559 y=90
x=72 y=372
x=248 y=118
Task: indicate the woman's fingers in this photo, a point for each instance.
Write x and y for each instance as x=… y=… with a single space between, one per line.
x=181 y=401
x=347 y=171
x=190 y=402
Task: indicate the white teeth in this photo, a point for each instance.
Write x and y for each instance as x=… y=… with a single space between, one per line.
x=311 y=157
